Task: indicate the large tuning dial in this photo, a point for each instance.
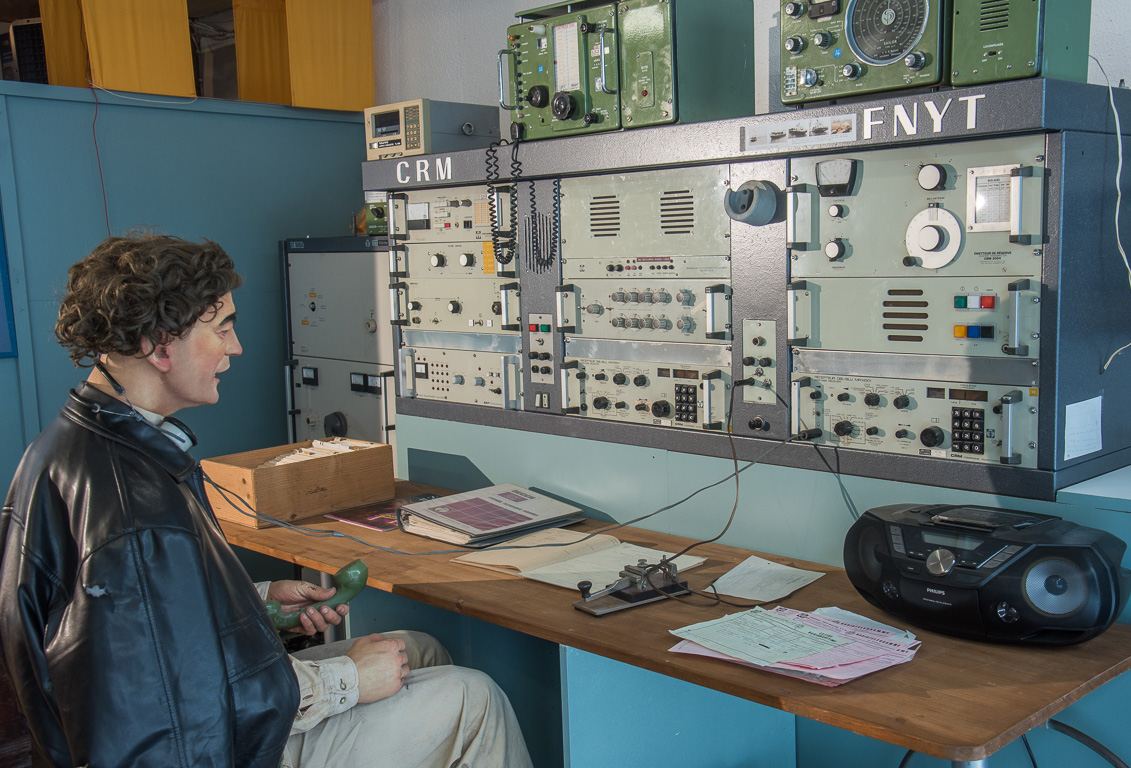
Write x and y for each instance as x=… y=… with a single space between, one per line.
x=933 y=237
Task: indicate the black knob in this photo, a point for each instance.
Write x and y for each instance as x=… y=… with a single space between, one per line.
x=765 y=362
x=640 y=381
x=601 y=403
x=661 y=409
x=619 y=379
x=749 y=361
x=415 y=306
x=496 y=307
x=932 y=436
x=621 y=404
x=815 y=395
x=844 y=397
x=545 y=369
x=872 y=431
x=843 y=428
x=642 y=406
x=901 y=402
x=562 y=105
x=538 y=96
x=584 y=587
x=794 y=44
x=903 y=434
x=578 y=375
x=758 y=423
x=871 y=399
x=600 y=376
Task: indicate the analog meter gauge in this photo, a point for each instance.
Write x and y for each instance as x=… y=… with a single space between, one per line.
x=883 y=32
x=835 y=177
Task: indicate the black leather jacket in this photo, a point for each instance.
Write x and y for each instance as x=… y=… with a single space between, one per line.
x=131 y=633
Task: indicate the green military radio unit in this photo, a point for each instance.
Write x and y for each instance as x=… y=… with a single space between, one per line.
x=584 y=67
x=837 y=48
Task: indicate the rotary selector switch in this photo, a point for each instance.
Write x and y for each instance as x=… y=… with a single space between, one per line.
x=438 y=260
x=835 y=249
x=934 y=237
x=467 y=260
x=932 y=437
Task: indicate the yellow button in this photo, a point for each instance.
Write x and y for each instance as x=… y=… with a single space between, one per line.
x=960 y=331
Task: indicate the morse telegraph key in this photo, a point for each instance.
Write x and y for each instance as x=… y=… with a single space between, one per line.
x=638 y=584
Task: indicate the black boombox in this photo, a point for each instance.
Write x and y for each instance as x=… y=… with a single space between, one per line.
x=988 y=574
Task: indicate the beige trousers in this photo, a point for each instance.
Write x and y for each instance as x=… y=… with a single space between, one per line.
x=444 y=717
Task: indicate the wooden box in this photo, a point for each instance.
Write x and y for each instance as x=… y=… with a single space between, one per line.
x=300 y=489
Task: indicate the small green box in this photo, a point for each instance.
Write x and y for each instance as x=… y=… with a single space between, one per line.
x=1012 y=39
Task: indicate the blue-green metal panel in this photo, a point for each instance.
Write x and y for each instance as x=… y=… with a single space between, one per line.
x=245 y=175
x=619 y=715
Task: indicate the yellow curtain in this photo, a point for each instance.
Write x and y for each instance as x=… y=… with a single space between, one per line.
x=331 y=52
x=140 y=45
x=64 y=43
x=262 y=64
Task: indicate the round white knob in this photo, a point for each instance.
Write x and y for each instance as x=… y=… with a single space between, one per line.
x=930 y=238
x=932 y=176
x=466 y=259
x=437 y=259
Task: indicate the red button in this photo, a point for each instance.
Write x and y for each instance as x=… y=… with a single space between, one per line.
x=988 y=302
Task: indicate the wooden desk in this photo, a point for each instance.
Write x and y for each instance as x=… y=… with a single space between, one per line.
x=958 y=700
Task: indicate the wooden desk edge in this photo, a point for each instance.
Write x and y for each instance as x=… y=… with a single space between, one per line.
x=246 y=537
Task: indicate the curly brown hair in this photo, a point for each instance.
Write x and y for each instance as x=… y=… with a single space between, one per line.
x=145 y=287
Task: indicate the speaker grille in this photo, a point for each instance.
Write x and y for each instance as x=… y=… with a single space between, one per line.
x=1055 y=586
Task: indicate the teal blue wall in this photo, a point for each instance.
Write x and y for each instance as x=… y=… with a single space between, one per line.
x=796 y=513
x=245 y=175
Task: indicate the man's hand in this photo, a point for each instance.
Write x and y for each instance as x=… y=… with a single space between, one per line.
x=300 y=596
x=382 y=666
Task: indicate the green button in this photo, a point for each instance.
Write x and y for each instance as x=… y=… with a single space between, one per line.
x=960 y=302
x=544 y=328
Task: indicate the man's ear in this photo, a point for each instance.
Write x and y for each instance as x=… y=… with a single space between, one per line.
x=160 y=358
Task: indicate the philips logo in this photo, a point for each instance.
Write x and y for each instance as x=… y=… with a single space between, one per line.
x=934 y=591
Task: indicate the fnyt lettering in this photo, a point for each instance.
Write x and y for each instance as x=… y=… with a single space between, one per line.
x=905 y=120
x=442 y=167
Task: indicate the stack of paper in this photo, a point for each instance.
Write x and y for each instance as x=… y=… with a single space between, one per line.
x=563 y=558
x=828 y=646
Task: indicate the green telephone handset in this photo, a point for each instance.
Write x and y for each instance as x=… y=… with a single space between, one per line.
x=349 y=581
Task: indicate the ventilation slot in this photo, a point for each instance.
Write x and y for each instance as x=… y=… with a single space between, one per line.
x=994 y=15
x=677 y=212
x=905 y=302
x=604 y=216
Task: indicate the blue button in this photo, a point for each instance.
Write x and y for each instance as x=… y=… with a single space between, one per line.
x=973 y=332
x=836 y=53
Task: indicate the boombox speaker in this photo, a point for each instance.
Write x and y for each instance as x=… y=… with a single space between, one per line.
x=988 y=574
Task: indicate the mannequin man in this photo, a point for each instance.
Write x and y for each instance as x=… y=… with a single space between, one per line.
x=131 y=633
